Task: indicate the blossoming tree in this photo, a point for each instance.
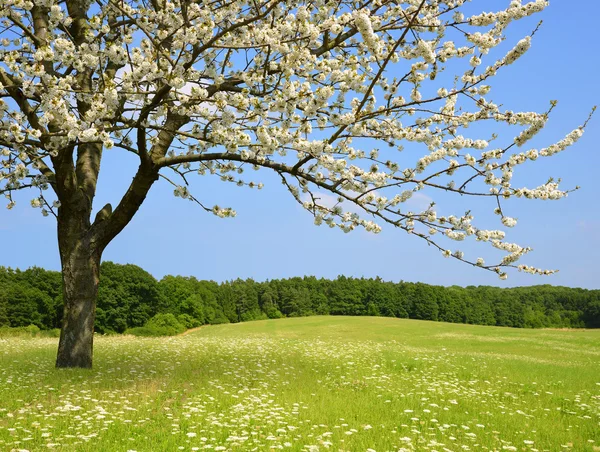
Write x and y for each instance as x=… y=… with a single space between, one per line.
x=307 y=89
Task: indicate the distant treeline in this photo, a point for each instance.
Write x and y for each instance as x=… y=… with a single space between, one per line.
x=129 y=297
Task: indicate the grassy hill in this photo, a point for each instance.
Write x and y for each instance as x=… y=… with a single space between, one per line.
x=316 y=383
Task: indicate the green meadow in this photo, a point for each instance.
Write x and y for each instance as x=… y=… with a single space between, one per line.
x=314 y=383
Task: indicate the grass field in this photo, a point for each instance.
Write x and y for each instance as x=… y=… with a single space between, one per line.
x=316 y=383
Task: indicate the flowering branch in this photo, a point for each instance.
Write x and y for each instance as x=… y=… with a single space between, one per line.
x=310 y=91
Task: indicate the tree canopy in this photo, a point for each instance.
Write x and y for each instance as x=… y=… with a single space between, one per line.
x=311 y=91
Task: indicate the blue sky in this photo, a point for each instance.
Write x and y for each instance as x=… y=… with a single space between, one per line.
x=272 y=237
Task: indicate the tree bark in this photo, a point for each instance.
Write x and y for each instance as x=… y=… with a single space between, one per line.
x=81 y=274
x=80 y=260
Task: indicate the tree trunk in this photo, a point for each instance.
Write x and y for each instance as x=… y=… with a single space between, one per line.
x=81 y=274
x=82 y=242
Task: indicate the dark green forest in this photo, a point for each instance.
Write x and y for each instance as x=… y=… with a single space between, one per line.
x=131 y=298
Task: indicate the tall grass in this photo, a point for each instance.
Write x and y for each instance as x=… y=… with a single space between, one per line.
x=317 y=383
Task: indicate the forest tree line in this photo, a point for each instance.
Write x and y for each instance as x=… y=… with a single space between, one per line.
x=129 y=297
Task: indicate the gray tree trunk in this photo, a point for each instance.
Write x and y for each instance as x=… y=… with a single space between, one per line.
x=82 y=242
x=81 y=272
x=80 y=261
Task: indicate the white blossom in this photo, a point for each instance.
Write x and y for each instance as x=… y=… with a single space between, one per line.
x=308 y=90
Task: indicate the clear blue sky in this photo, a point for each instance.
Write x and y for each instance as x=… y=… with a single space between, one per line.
x=272 y=237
